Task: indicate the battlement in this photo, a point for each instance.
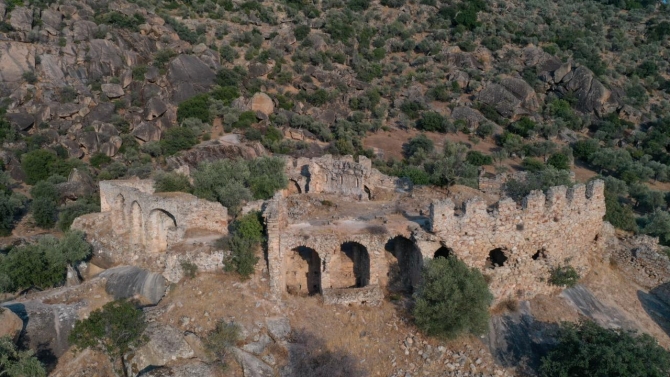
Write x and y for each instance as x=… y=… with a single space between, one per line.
x=559 y=204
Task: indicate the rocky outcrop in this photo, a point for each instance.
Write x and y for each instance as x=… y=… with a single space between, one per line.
x=199 y=369
x=15 y=59
x=165 y=343
x=471 y=116
x=134 y=282
x=10 y=324
x=216 y=150
x=512 y=97
x=189 y=76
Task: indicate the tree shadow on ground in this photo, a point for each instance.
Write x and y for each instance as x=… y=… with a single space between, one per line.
x=516 y=339
x=657 y=305
x=309 y=356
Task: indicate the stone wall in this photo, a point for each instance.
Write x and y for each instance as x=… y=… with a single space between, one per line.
x=546 y=231
x=156 y=221
x=342 y=176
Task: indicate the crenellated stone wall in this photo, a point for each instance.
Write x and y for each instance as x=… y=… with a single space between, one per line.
x=515 y=246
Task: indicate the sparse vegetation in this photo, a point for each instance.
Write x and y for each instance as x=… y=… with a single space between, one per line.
x=18 y=363
x=243 y=242
x=564 y=276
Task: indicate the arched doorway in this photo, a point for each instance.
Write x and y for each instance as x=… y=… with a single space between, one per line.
x=303 y=271
x=293 y=187
x=443 y=252
x=159 y=224
x=497 y=258
x=405 y=271
x=350 y=267
x=136 y=224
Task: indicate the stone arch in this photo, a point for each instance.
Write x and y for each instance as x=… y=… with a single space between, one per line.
x=444 y=252
x=497 y=258
x=119 y=214
x=159 y=225
x=136 y=224
x=293 y=187
x=405 y=272
x=302 y=267
x=350 y=267
x=368 y=192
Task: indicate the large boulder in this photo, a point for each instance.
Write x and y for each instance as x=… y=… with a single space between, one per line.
x=83 y=30
x=21 y=19
x=471 y=116
x=189 y=76
x=47 y=327
x=511 y=97
x=20 y=121
x=147 y=132
x=165 y=343
x=592 y=95
x=154 y=108
x=112 y=90
x=263 y=103
x=51 y=18
x=10 y=324
x=251 y=365
x=107 y=59
x=15 y=59
x=51 y=70
x=278 y=327
x=134 y=282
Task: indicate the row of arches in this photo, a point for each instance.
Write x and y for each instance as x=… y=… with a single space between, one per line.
x=350 y=267
x=152 y=231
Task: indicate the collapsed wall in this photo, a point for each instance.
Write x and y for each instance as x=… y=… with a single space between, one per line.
x=515 y=247
x=342 y=176
x=138 y=226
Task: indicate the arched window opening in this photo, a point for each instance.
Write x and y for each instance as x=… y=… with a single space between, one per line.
x=350 y=267
x=443 y=252
x=497 y=258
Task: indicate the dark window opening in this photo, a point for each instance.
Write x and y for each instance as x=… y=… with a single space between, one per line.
x=443 y=252
x=497 y=258
x=539 y=254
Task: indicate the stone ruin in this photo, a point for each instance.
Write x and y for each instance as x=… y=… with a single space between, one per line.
x=139 y=225
x=365 y=245
x=356 y=260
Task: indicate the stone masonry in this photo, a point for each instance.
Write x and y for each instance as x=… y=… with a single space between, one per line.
x=354 y=260
x=156 y=221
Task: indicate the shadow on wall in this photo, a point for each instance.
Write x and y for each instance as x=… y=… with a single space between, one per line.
x=657 y=305
x=518 y=340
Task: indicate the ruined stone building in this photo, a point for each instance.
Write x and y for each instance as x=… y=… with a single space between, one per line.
x=356 y=256
x=345 y=231
x=138 y=225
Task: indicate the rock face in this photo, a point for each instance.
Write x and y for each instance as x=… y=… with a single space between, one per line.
x=129 y=281
x=252 y=366
x=112 y=90
x=512 y=97
x=15 y=59
x=46 y=326
x=263 y=103
x=10 y=324
x=189 y=76
x=165 y=344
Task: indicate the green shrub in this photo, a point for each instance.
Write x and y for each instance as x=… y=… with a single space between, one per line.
x=176 y=139
x=195 y=107
x=17 y=363
x=619 y=215
x=43 y=264
x=563 y=276
x=11 y=205
x=245 y=120
x=113 y=329
x=121 y=20
x=420 y=142
x=478 y=158
x=532 y=164
x=30 y=77
x=44 y=212
x=584 y=149
x=587 y=349
x=37 y=165
x=524 y=127
x=539 y=180
x=301 y=32
x=559 y=160
x=432 y=121
x=452 y=299
x=412 y=108
x=172 y=182
x=243 y=243
x=226 y=94
x=99 y=159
